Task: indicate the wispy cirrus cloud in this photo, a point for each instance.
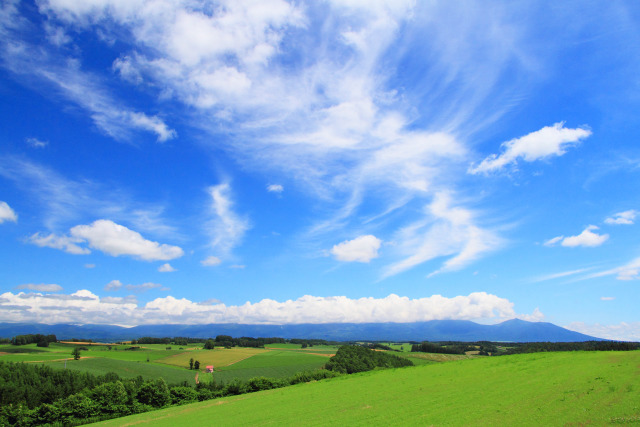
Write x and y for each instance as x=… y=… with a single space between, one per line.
x=561 y=275
x=331 y=120
x=453 y=234
x=66 y=201
x=36 y=143
x=39 y=64
x=226 y=228
x=6 y=213
x=42 y=287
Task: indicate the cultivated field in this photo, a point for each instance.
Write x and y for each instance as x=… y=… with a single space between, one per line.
x=171 y=362
x=571 y=388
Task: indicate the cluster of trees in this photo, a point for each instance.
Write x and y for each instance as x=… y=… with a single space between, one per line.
x=194 y=364
x=41 y=340
x=354 y=358
x=536 y=347
x=429 y=347
x=228 y=341
x=309 y=343
x=36 y=395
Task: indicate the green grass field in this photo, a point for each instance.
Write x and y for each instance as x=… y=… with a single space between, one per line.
x=272 y=364
x=128 y=369
x=572 y=388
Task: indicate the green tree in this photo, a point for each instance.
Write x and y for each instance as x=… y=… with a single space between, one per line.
x=111 y=398
x=209 y=344
x=76 y=353
x=191 y=363
x=154 y=393
x=196 y=365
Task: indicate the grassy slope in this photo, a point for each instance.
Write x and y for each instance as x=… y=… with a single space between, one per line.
x=530 y=389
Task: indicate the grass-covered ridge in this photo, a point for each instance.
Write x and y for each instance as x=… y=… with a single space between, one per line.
x=529 y=389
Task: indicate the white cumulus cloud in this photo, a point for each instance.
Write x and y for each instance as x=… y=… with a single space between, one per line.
x=115 y=240
x=68 y=244
x=360 y=249
x=275 y=188
x=548 y=141
x=626 y=218
x=86 y=307
x=6 y=213
x=166 y=268
x=211 y=261
x=587 y=239
x=113 y=285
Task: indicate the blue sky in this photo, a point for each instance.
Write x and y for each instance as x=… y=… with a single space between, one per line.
x=306 y=162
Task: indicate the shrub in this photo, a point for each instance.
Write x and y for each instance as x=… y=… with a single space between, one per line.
x=181 y=395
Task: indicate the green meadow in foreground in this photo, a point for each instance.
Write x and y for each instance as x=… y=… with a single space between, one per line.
x=570 y=388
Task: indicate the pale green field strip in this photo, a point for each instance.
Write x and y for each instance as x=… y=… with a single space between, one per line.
x=543 y=389
x=277 y=358
x=437 y=357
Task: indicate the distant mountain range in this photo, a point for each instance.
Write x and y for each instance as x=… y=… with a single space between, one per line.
x=514 y=330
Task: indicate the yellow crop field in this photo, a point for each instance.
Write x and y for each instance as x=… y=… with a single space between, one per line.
x=218 y=357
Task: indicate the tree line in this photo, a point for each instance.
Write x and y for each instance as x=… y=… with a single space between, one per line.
x=429 y=347
x=220 y=340
x=228 y=341
x=536 y=347
x=41 y=340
